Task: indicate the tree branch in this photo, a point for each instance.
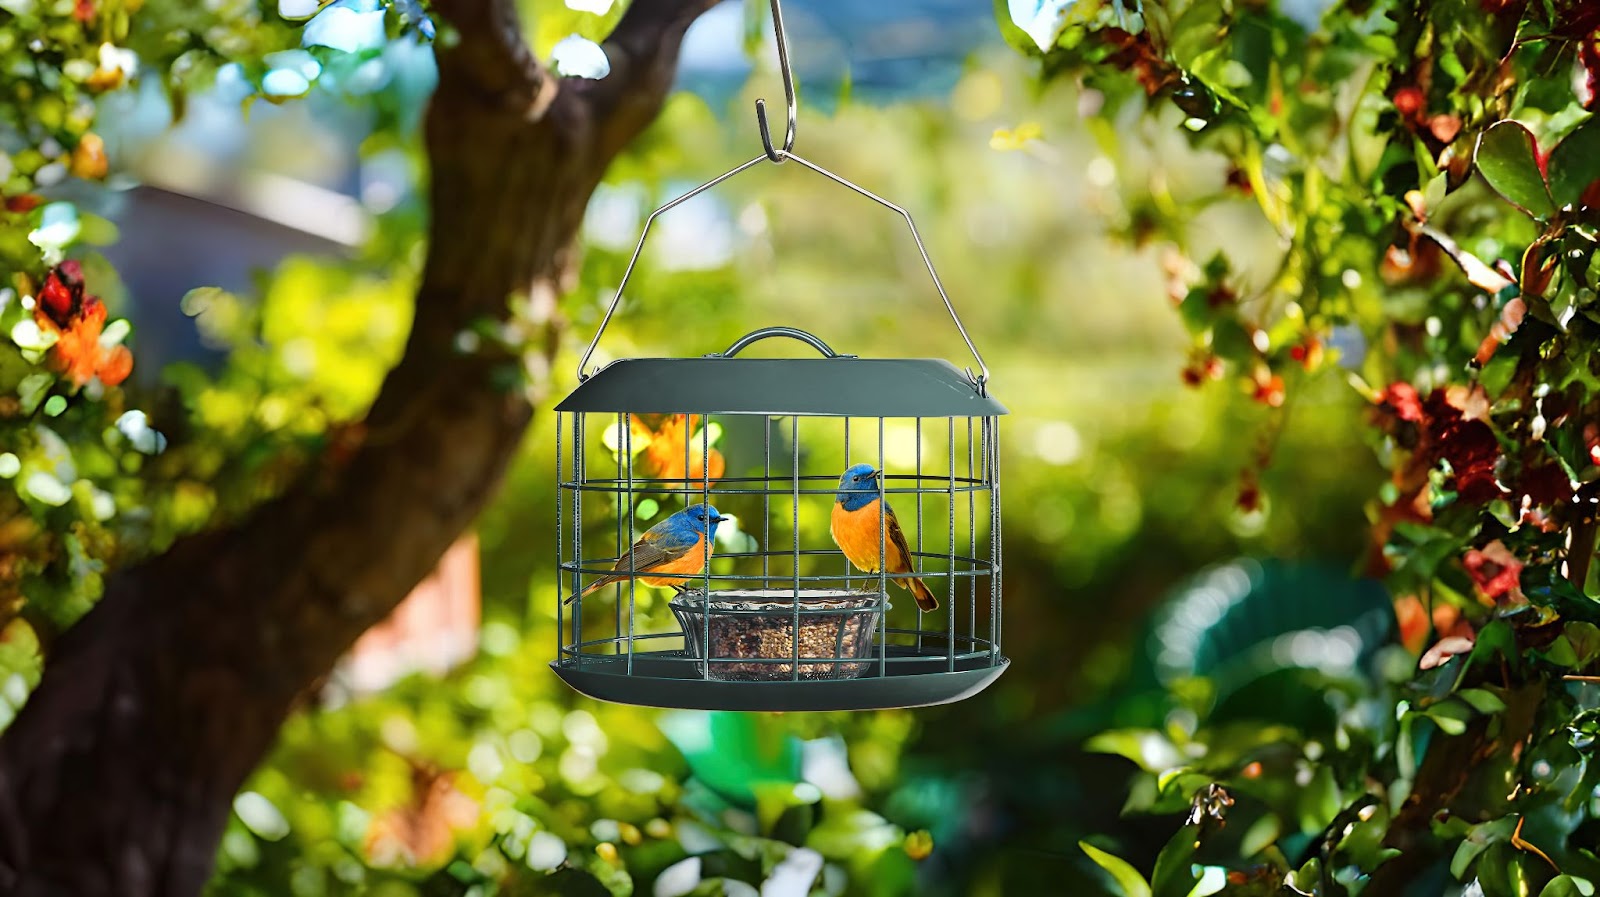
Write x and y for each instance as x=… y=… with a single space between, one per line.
x=487 y=52
x=643 y=51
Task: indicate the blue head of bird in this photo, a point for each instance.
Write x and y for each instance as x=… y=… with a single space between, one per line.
x=858 y=487
x=703 y=518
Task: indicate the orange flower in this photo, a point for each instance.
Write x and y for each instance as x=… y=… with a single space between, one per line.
x=77 y=321
x=671 y=454
x=89 y=157
x=1413 y=620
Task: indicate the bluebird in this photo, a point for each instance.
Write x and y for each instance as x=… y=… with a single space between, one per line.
x=855 y=529
x=679 y=545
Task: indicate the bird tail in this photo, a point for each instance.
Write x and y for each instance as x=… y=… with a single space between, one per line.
x=598 y=584
x=925 y=599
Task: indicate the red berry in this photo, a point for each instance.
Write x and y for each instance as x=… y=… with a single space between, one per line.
x=1408 y=100
x=1269 y=388
x=55 y=299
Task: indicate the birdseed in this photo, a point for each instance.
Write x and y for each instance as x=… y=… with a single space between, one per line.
x=752 y=632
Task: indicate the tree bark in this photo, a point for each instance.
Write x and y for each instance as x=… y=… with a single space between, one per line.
x=118 y=775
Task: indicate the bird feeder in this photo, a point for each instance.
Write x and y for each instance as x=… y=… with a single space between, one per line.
x=780 y=619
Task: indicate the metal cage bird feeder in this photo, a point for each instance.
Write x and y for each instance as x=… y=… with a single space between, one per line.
x=781 y=618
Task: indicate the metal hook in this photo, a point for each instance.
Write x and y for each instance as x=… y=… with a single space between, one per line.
x=979 y=380
x=777 y=155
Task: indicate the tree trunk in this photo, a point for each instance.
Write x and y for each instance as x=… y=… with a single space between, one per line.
x=118 y=775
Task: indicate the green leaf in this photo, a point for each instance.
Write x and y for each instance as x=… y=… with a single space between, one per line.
x=97 y=231
x=843 y=831
x=1129 y=882
x=1196 y=311
x=1575 y=163
x=1452 y=709
x=1476 y=842
x=1495 y=640
x=1568 y=886
x=1150 y=749
x=1482 y=700
x=570 y=881
x=1009 y=30
x=1433 y=192
x=1271 y=201
x=32 y=390
x=43 y=487
x=1447 y=723
x=1503 y=871
x=115 y=333
x=1231 y=341
x=1306 y=877
x=1561 y=653
x=29 y=335
x=774 y=798
x=1497 y=374
x=1507 y=157
x=1174 y=874
x=1585 y=640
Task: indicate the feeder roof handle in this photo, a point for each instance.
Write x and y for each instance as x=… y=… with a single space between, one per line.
x=775 y=154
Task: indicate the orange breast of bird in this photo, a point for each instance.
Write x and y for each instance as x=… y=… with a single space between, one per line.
x=692 y=563
x=856 y=534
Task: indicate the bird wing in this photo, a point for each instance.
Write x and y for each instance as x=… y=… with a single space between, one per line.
x=661 y=544
x=897 y=538
x=658 y=547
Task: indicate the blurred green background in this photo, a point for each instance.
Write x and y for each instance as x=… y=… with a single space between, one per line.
x=1122 y=482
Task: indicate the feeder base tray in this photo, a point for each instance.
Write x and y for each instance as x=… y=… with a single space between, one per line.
x=673 y=679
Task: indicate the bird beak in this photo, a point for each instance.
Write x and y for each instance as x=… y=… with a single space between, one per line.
x=718 y=519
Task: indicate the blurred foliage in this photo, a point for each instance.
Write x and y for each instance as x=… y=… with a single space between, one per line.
x=1305 y=201
x=491 y=781
x=1358 y=130
x=95 y=484
x=496 y=784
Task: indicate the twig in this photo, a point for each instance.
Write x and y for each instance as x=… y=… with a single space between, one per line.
x=1517 y=842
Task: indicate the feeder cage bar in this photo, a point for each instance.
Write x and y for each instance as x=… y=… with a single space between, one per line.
x=561 y=521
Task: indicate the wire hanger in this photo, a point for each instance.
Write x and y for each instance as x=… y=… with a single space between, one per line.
x=779 y=155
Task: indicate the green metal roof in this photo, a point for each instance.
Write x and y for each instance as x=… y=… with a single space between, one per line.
x=834 y=387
